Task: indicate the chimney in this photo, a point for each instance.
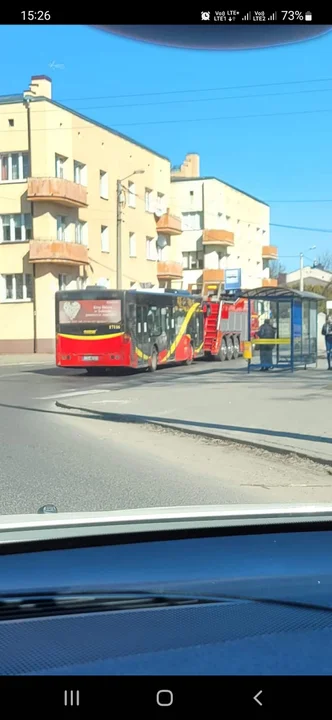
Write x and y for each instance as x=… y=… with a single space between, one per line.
x=189 y=168
x=40 y=86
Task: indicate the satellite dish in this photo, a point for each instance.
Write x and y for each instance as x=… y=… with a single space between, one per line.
x=158 y=212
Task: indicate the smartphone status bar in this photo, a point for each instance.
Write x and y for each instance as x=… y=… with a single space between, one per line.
x=252 y=17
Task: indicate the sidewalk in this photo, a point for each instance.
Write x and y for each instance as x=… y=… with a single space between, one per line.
x=278 y=410
x=27 y=359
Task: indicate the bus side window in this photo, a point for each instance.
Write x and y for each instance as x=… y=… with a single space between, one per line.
x=145 y=325
x=168 y=318
x=154 y=321
x=139 y=320
x=164 y=327
x=131 y=316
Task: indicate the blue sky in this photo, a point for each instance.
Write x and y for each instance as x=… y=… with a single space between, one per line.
x=283 y=153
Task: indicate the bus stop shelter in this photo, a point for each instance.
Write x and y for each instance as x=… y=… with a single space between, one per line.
x=293 y=315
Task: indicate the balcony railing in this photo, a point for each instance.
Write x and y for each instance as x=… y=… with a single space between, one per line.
x=218 y=237
x=58 y=190
x=56 y=251
x=169 y=270
x=269 y=282
x=169 y=224
x=213 y=276
x=269 y=252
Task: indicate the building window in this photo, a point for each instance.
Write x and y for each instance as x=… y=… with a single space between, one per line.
x=148 y=200
x=16 y=287
x=104 y=239
x=103 y=184
x=14 y=167
x=61 y=227
x=15 y=228
x=80 y=173
x=192 y=221
x=150 y=248
x=132 y=244
x=192 y=260
x=161 y=203
x=60 y=162
x=159 y=253
x=81 y=232
x=131 y=194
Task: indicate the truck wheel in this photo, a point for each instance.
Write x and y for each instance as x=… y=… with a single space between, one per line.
x=229 y=349
x=223 y=351
x=236 y=347
x=154 y=361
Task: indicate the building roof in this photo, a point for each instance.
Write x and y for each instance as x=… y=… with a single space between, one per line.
x=187 y=179
x=10 y=99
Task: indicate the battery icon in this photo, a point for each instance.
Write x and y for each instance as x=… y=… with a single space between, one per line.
x=308 y=16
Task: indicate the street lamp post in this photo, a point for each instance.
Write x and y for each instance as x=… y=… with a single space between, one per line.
x=313 y=247
x=119 y=227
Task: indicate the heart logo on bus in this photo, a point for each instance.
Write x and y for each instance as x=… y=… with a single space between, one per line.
x=72 y=309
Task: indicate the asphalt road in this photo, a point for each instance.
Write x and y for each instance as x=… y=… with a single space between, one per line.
x=49 y=455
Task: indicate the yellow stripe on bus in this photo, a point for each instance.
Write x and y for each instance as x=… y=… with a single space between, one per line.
x=90 y=337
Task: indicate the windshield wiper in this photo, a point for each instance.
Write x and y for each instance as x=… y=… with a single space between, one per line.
x=41 y=604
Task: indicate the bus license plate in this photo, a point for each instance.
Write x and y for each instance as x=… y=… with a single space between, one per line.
x=91 y=358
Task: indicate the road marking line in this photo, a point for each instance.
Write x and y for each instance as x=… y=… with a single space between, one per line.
x=56 y=396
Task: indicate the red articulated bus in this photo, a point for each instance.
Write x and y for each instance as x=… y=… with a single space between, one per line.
x=98 y=328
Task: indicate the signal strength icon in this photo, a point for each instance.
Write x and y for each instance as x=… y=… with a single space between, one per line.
x=273 y=17
x=246 y=17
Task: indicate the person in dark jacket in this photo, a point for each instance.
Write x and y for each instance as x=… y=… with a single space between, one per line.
x=327 y=332
x=266 y=332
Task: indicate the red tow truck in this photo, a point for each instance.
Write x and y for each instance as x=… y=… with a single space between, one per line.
x=226 y=324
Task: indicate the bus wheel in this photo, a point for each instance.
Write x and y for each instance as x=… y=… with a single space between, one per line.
x=154 y=361
x=223 y=351
x=236 y=347
x=190 y=359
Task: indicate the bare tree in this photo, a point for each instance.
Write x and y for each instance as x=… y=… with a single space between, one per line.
x=276 y=269
x=325 y=261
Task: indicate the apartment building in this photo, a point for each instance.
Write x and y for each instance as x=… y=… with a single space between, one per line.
x=64 y=180
x=223 y=228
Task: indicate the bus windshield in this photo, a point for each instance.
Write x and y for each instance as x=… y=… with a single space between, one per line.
x=89 y=311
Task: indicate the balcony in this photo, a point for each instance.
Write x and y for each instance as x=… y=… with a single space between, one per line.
x=218 y=237
x=53 y=251
x=269 y=252
x=269 y=282
x=58 y=190
x=169 y=270
x=213 y=276
x=169 y=224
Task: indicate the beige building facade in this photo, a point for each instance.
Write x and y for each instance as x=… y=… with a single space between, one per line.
x=65 y=180
x=223 y=228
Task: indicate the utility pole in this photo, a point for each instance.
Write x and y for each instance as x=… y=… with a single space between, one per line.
x=118 y=235
x=301 y=272
x=119 y=190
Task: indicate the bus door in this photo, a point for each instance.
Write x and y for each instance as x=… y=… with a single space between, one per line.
x=157 y=329
x=196 y=329
x=140 y=335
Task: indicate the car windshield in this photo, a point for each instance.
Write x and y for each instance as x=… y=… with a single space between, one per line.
x=165 y=263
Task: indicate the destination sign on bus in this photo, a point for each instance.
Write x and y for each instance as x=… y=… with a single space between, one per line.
x=89 y=311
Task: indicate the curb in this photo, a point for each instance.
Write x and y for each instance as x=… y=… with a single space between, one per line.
x=143 y=420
